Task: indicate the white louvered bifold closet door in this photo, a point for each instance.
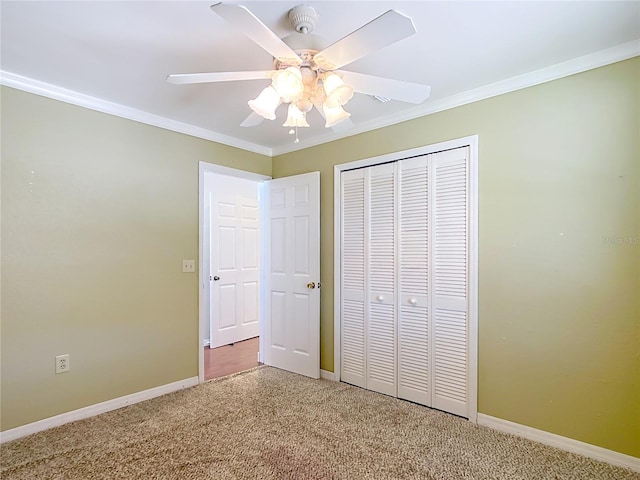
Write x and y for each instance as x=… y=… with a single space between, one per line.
x=381 y=279
x=405 y=269
x=449 y=280
x=353 y=278
x=413 y=312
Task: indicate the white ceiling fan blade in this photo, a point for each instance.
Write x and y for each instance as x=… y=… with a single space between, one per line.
x=386 y=87
x=185 y=78
x=241 y=18
x=388 y=28
x=252 y=120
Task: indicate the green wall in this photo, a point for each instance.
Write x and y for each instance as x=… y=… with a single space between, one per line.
x=559 y=255
x=93 y=240
x=97 y=214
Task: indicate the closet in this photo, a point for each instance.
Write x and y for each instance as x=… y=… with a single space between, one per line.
x=404 y=298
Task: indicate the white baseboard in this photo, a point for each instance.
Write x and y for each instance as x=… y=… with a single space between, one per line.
x=96 y=409
x=206 y=343
x=563 y=443
x=327 y=375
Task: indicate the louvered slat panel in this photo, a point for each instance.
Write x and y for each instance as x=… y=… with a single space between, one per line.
x=413 y=360
x=381 y=230
x=353 y=234
x=450 y=249
x=381 y=355
x=451 y=358
x=449 y=296
x=413 y=227
x=413 y=335
x=353 y=341
x=353 y=365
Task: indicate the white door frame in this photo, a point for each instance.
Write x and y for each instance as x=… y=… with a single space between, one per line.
x=204 y=257
x=472 y=143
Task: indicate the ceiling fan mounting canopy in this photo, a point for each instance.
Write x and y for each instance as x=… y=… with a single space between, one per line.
x=303 y=18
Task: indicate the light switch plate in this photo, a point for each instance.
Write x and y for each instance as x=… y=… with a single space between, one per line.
x=188 y=266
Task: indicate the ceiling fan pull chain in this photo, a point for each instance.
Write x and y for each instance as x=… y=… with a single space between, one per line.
x=294 y=130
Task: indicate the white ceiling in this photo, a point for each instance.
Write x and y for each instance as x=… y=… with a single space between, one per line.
x=121 y=52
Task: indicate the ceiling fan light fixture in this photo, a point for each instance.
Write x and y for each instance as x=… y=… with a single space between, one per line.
x=295 y=117
x=338 y=93
x=288 y=84
x=266 y=103
x=334 y=115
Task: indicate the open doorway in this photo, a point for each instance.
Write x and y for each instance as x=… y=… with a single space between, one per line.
x=230 y=270
x=288 y=305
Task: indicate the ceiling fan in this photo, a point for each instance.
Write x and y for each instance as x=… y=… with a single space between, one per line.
x=308 y=75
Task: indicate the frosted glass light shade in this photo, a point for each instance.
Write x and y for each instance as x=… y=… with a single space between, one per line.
x=334 y=115
x=338 y=93
x=288 y=84
x=266 y=103
x=295 y=118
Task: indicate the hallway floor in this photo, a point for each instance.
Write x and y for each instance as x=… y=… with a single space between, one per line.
x=229 y=359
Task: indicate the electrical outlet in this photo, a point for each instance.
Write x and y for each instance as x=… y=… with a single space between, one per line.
x=63 y=363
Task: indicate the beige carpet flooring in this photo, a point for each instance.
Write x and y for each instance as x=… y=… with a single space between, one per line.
x=269 y=424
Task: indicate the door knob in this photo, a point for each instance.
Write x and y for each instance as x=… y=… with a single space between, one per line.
x=380 y=298
x=216 y=278
x=413 y=301
x=311 y=285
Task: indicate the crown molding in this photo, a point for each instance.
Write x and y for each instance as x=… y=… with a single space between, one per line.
x=547 y=74
x=55 y=92
x=519 y=82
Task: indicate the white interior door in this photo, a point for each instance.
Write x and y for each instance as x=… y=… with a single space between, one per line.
x=234 y=270
x=292 y=273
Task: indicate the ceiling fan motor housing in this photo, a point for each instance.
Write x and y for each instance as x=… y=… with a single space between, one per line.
x=303 y=19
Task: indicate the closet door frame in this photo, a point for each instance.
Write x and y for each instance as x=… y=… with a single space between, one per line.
x=472 y=143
